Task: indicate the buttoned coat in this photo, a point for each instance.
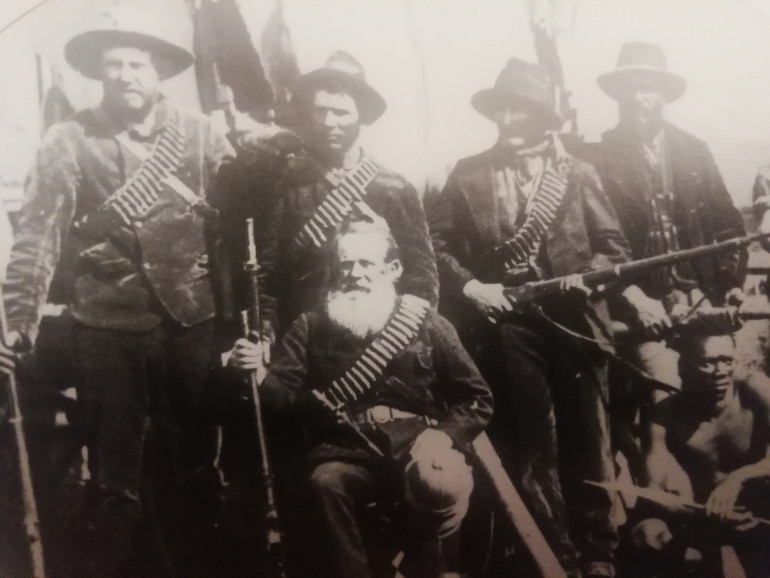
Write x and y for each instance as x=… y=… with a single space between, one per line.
x=433 y=377
x=703 y=209
x=464 y=220
x=129 y=278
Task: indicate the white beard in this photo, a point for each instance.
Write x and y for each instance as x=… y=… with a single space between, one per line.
x=361 y=313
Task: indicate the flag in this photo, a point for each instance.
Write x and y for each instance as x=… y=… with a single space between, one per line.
x=278 y=58
x=225 y=54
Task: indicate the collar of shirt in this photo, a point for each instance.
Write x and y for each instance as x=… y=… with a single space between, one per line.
x=653 y=150
x=350 y=161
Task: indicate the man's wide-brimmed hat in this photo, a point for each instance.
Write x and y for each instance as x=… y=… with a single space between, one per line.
x=343 y=71
x=642 y=60
x=125 y=26
x=522 y=84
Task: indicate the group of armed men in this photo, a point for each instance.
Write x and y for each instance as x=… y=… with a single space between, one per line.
x=386 y=335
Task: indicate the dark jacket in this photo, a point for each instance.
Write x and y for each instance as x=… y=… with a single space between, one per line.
x=433 y=377
x=282 y=192
x=703 y=209
x=465 y=226
x=128 y=278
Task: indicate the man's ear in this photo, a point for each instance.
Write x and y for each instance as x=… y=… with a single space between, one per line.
x=395 y=269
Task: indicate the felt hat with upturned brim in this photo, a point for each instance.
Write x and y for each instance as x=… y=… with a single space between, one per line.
x=125 y=26
x=343 y=72
x=520 y=84
x=642 y=60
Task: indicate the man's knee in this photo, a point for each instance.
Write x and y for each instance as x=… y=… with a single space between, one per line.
x=651 y=533
x=437 y=489
x=335 y=479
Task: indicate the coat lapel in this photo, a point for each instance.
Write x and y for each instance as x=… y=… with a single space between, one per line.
x=626 y=164
x=480 y=196
x=684 y=177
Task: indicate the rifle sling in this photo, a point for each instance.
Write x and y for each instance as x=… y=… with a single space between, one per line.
x=648 y=379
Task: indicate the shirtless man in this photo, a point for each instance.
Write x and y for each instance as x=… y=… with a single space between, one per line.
x=710 y=442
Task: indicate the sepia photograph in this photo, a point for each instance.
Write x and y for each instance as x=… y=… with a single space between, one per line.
x=384 y=289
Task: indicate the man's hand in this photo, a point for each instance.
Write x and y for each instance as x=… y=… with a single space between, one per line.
x=574 y=283
x=249 y=355
x=271 y=139
x=9 y=351
x=721 y=502
x=430 y=442
x=735 y=297
x=650 y=313
x=488 y=298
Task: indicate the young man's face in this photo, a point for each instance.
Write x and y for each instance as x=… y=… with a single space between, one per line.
x=130 y=79
x=334 y=120
x=518 y=125
x=640 y=105
x=712 y=369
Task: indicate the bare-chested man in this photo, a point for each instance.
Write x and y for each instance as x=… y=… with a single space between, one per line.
x=710 y=442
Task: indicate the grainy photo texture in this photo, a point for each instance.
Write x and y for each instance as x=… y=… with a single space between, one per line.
x=384 y=288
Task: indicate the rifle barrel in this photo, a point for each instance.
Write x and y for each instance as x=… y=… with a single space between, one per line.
x=253 y=319
x=534 y=289
x=31 y=519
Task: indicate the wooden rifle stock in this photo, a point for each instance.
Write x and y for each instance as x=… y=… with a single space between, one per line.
x=253 y=320
x=31 y=519
x=516 y=510
x=592 y=279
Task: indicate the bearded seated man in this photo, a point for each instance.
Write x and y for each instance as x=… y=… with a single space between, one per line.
x=710 y=446
x=391 y=402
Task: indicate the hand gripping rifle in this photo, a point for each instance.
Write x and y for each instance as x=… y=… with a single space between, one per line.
x=535 y=289
x=31 y=520
x=252 y=320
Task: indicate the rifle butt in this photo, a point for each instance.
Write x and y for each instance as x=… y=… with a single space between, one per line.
x=516 y=510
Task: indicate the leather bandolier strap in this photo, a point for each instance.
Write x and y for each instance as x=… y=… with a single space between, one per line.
x=337 y=204
x=516 y=251
x=400 y=330
x=141 y=192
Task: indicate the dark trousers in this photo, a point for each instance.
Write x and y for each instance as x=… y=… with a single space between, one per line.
x=130 y=384
x=551 y=413
x=345 y=493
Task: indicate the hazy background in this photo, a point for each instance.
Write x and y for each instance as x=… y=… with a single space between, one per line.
x=428 y=57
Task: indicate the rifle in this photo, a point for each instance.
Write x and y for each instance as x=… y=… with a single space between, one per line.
x=547 y=52
x=31 y=519
x=516 y=509
x=253 y=320
x=535 y=289
x=663 y=498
